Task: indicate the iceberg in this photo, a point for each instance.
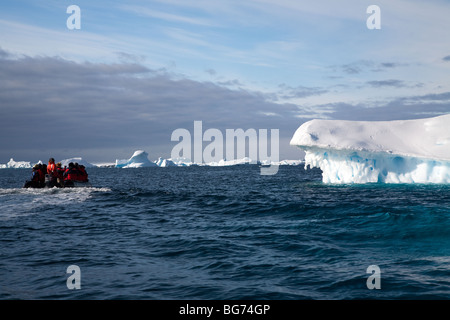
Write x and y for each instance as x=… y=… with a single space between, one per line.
x=139 y=159
x=16 y=164
x=282 y=163
x=79 y=160
x=104 y=164
x=165 y=163
x=182 y=162
x=400 y=151
x=225 y=163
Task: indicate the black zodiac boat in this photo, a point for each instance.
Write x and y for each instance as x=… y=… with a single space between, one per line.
x=58 y=184
x=74 y=176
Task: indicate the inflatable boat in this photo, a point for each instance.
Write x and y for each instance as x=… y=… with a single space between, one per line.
x=49 y=183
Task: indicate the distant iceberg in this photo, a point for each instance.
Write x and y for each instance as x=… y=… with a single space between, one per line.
x=27 y=164
x=182 y=162
x=78 y=160
x=165 y=163
x=406 y=151
x=139 y=159
x=282 y=163
x=225 y=163
x=16 y=164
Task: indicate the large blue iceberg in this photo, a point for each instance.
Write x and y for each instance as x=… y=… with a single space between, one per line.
x=139 y=159
x=406 y=151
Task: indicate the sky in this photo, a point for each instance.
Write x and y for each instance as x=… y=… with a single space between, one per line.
x=135 y=71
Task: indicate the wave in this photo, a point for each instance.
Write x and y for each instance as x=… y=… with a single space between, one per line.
x=19 y=202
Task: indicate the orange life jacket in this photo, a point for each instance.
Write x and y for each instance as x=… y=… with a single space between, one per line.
x=51 y=169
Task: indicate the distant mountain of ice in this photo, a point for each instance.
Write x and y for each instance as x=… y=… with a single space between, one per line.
x=165 y=163
x=406 y=151
x=27 y=164
x=282 y=163
x=182 y=162
x=16 y=164
x=225 y=163
x=78 y=160
x=139 y=159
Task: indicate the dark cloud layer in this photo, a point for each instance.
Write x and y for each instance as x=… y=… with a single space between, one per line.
x=54 y=106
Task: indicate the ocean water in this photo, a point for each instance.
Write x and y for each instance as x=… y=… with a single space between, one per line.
x=222 y=233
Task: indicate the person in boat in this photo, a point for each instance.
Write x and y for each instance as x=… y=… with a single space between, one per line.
x=42 y=172
x=51 y=167
x=59 y=175
x=52 y=173
x=35 y=181
x=83 y=176
x=74 y=174
x=69 y=175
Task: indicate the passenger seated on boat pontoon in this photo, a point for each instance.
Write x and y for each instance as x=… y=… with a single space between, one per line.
x=70 y=173
x=35 y=181
x=75 y=173
x=83 y=176
x=59 y=174
x=52 y=174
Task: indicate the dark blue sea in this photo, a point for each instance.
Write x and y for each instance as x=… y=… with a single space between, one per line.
x=222 y=233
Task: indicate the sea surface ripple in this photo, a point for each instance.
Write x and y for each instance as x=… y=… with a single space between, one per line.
x=222 y=233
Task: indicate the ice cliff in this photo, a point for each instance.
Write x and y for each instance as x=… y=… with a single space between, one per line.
x=401 y=151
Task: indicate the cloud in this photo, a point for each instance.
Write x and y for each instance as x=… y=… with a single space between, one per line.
x=289 y=92
x=128 y=57
x=394 y=83
x=356 y=67
x=389 y=65
x=3 y=54
x=170 y=17
x=362 y=66
x=387 y=83
x=211 y=72
x=446 y=58
x=55 y=106
x=401 y=108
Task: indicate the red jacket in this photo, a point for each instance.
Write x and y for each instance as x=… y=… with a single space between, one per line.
x=71 y=174
x=41 y=175
x=83 y=176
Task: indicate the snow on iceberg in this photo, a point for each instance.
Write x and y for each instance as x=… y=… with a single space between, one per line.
x=139 y=159
x=402 y=151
